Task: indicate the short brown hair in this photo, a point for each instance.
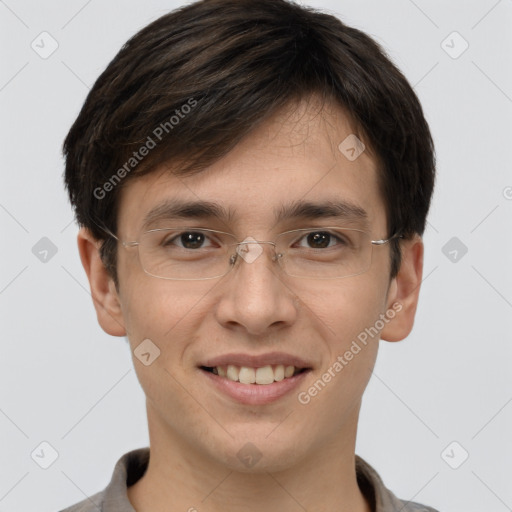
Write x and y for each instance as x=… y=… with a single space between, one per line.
x=235 y=63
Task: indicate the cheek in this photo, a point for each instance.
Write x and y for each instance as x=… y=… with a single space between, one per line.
x=156 y=307
x=159 y=317
x=345 y=317
x=168 y=314
x=342 y=310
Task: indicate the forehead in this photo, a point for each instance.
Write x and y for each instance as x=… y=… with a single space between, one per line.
x=296 y=166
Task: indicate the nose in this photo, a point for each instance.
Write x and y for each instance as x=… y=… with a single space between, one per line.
x=255 y=296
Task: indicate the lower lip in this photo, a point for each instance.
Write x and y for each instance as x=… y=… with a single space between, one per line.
x=255 y=394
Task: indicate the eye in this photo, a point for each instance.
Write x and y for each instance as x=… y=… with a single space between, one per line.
x=186 y=240
x=324 y=239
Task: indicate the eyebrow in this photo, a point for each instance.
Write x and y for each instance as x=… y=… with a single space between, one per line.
x=171 y=210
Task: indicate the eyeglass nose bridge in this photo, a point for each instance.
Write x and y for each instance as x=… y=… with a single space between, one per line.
x=251 y=255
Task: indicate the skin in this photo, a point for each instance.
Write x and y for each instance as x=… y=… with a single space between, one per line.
x=307 y=450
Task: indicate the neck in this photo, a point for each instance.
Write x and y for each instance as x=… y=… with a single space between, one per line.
x=181 y=478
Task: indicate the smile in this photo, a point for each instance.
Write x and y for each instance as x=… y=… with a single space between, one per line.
x=253 y=393
x=264 y=375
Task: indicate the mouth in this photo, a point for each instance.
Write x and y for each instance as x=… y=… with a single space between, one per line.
x=262 y=376
x=254 y=380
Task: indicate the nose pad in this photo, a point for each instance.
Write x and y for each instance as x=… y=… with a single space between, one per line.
x=250 y=250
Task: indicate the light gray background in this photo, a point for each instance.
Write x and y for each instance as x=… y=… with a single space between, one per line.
x=66 y=382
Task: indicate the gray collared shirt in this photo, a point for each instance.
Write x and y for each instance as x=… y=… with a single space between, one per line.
x=132 y=465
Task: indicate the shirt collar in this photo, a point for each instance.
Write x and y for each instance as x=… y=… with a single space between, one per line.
x=132 y=466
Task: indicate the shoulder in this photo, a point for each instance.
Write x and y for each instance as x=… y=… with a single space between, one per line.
x=92 y=504
x=381 y=498
x=114 y=498
x=411 y=506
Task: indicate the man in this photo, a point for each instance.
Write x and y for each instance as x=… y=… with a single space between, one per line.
x=252 y=180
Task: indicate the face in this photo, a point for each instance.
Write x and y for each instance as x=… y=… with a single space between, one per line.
x=256 y=314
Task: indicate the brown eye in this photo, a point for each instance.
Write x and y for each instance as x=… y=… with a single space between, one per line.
x=323 y=240
x=319 y=240
x=186 y=240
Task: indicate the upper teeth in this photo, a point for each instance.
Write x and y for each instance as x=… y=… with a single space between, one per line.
x=264 y=375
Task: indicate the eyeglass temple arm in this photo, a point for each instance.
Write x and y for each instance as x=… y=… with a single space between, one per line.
x=108 y=232
x=105 y=229
x=385 y=241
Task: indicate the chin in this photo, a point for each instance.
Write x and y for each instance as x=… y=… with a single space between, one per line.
x=257 y=453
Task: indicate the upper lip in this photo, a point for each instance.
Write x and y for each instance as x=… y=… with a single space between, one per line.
x=256 y=361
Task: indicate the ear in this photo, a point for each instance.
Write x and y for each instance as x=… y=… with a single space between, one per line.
x=103 y=291
x=404 y=291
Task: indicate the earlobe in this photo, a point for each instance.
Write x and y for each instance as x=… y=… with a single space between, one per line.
x=103 y=290
x=404 y=291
